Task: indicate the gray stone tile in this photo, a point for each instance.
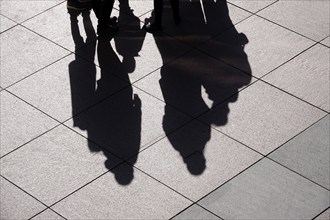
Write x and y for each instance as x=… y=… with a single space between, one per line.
x=5 y=23
x=267 y=191
x=55 y=164
x=65 y=31
x=20 y=123
x=263 y=117
x=73 y=83
x=24 y=54
x=127 y=122
x=194 y=28
x=195 y=212
x=324 y=216
x=216 y=160
x=264 y=49
x=326 y=41
x=252 y=5
x=48 y=214
x=143 y=198
x=16 y=204
x=313 y=23
x=20 y=10
x=308 y=153
x=196 y=89
x=307 y=77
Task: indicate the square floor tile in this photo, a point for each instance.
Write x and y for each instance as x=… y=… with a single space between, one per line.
x=264 y=117
x=48 y=214
x=67 y=87
x=255 y=37
x=195 y=82
x=195 y=212
x=252 y=5
x=143 y=198
x=5 y=23
x=196 y=26
x=127 y=122
x=24 y=54
x=308 y=153
x=267 y=191
x=326 y=41
x=306 y=76
x=55 y=164
x=313 y=23
x=195 y=160
x=20 y=123
x=15 y=203
x=21 y=10
x=56 y=25
x=324 y=216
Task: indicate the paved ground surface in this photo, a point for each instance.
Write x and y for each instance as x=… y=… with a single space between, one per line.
x=223 y=119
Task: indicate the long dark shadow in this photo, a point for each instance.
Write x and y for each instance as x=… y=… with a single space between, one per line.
x=184 y=80
x=115 y=123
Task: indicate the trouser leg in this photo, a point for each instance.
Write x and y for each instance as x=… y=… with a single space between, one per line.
x=175 y=7
x=96 y=5
x=176 y=11
x=105 y=12
x=158 y=10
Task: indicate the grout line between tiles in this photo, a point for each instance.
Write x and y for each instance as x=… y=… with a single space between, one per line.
x=321 y=213
x=198 y=206
x=298 y=173
x=24 y=191
x=35 y=72
x=294 y=96
x=209 y=211
x=86 y=184
x=270 y=4
x=282 y=26
x=51 y=7
x=46 y=210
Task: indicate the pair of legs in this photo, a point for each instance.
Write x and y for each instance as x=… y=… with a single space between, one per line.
x=158 y=13
x=102 y=10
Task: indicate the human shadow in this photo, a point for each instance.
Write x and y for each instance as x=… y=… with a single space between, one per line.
x=196 y=83
x=112 y=119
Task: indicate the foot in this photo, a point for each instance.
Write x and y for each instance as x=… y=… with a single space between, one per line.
x=152 y=27
x=113 y=20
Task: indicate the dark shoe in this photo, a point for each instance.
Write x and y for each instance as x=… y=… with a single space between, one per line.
x=151 y=28
x=113 y=20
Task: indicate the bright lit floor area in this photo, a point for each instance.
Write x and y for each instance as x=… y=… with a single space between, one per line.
x=222 y=116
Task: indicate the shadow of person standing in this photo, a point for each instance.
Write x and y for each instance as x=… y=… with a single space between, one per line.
x=197 y=83
x=129 y=40
x=113 y=124
x=82 y=74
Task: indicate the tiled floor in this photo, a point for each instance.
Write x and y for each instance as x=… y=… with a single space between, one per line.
x=222 y=117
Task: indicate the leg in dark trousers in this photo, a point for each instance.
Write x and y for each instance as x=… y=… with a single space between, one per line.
x=158 y=13
x=96 y=5
x=176 y=11
x=102 y=10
